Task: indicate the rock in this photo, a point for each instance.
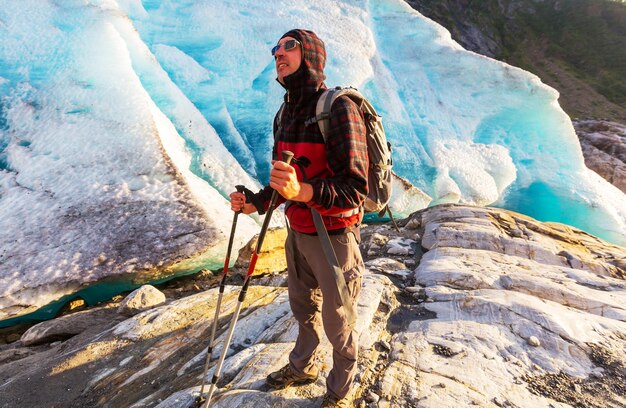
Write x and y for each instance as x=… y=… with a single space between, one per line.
x=489 y=293
x=143 y=298
x=498 y=401
x=523 y=287
x=386 y=265
x=446 y=348
x=400 y=246
x=533 y=341
x=272 y=256
x=413 y=289
x=478 y=228
x=604 y=149
x=372 y=397
x=10 y=355
x=413 y=224
x=375 y=243
x=157 y=355
x=68 y=326
x=385 y=345
x=187 y=398
x=73 y=306
x=272 y=279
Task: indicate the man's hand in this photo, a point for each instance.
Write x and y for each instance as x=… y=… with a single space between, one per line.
x=283 y=179
x=238 y=203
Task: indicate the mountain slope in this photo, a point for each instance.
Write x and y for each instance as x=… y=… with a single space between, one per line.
x=575 y=46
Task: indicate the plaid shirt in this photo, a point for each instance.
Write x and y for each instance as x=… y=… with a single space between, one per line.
x=338 y=169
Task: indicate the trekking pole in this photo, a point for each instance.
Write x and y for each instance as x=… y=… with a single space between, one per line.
x=240 y=189
x=287 y=156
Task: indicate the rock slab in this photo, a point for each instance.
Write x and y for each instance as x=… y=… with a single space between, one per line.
x=485 y=308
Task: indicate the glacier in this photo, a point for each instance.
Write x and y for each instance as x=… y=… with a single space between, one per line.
x=124 y=125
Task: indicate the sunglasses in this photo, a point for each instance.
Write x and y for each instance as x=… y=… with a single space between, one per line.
x=287 y=46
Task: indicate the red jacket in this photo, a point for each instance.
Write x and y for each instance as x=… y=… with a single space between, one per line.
x=338 y=168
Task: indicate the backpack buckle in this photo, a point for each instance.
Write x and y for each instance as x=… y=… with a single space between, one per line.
x=317 y=118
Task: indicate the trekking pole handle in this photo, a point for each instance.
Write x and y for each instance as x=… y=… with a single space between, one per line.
x=287 y=156
x=240 y=189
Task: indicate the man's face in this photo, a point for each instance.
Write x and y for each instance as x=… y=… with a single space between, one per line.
x=287 y=62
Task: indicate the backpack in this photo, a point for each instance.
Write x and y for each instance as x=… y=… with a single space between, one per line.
x=378 y=148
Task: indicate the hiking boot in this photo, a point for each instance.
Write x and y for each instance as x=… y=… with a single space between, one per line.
x=285 y=377
x=330 y=401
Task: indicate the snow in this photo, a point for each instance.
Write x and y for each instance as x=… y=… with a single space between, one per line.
x=160 y=108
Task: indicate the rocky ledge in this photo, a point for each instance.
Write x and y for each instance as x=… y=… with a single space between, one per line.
x=604 y=148
x=464 y=306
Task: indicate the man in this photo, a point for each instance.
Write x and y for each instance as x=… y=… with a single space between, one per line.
x=335 y=184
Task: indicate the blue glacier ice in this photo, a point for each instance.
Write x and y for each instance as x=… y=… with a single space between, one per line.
x=464 y=128
x=85 y=85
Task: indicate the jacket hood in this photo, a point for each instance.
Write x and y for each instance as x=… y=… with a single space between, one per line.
x=311 y=72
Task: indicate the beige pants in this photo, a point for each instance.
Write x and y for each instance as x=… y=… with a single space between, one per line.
x=310 y=279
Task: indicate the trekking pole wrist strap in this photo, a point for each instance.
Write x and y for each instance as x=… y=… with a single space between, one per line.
x=254 y=200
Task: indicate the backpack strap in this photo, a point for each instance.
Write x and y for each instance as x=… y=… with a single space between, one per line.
x=322 y=118
x=322 y=110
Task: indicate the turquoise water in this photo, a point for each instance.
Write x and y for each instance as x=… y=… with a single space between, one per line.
x=92 y=295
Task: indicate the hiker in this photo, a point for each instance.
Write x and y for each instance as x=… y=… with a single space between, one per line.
x=332 y=179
